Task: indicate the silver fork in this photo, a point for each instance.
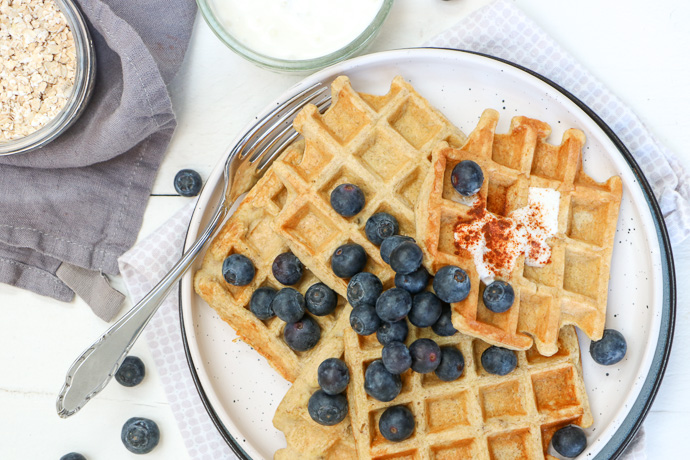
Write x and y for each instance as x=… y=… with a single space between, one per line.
x=246 y=162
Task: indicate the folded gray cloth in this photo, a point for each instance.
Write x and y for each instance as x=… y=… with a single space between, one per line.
x=79 y=201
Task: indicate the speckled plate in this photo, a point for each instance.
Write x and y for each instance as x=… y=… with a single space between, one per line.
x=241 y=391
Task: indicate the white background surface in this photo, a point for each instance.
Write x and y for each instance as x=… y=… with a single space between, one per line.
x=639 y=49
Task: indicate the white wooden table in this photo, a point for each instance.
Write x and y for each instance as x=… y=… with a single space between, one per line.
x=638 y=48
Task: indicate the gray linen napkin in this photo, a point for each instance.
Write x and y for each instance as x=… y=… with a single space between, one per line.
x=75 y=206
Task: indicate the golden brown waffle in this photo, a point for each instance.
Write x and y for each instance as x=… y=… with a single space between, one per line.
x=478 y=416
x=572 y=287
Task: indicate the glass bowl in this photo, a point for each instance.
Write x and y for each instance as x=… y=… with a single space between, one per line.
x=210 y=14
x=81 y=92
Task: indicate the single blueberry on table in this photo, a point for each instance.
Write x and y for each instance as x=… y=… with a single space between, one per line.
x=452 y=364
x=467 y=178
x=333 y=376
x=348 y=260
x=396 y=357
x=414 y=282
x=381 y=226
x=320 y=300
x=610 y=349
x=451 y=284
x=444 y=325
x=187 y=182
x=498 y=296
x=302 y=335
x=73 y=456
x=499 y=361
x=390 y=243
x=406 y=258
x=347 y=199
x=287 y=269
x=131 y=372
x=288 y=305
x=426 y=309
x=260 y=303
x=395 y=331
x=396 y=423
x=393 y=304
x=426 y=355
x=327 y=409
x=238 y=270
x=569 y=441
x=364 y=320
x=381 y=384
x=140 y=435
x=364 y=288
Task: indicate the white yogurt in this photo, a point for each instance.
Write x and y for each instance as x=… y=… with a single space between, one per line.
x=296 y=29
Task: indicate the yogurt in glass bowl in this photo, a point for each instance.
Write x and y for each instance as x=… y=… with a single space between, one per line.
x=295 y=35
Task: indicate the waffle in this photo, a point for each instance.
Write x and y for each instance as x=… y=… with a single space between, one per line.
x=573 y=287
x=478 y=416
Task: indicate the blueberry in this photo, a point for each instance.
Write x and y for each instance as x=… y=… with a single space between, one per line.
x=467 y=178
x=406 y=258
x=610 y=349
x=187 y=182
x=390 y=243
x=131 y=372
x=452 y=364
x=414 y=282
x=499 y=361
x=364 y=288
x=327 y=409
x=426 y=309
x=348 y=260
x=364 y=320
x=392 y=332
x=302 y=335
x=396 y=423
x=451 y=284
x=444 y=325
x=238 y=270
x=287 y=269
x=393 y=304
x=381 y=384
x=260 y=303
x=140 y=435
x=569 y=441
x=288 y=305
x=73 y=456
x=347 y=200
x=498 y=296
x=320 y=300
x=333 y=376
x=426 y=355
x=396 y=357
x=381 y=226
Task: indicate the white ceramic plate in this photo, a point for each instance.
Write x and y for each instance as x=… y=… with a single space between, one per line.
x=240 y=389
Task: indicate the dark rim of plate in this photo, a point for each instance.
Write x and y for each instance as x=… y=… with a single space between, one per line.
x=632 y=422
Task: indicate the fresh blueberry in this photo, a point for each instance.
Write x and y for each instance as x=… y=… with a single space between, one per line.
x=396 y=423
x=238 y=270
x=390 y=243
x=610 y=349
x=347 y=199
x=327 y=409
x=187 y=182
x=140 y=435
x=287 y=269
x=381 y=384
x=569 y=441
x=73 y=456
x=396 y=357
x=414 y=282
x=498 y=296
x=451 y=284
x=499 y=361
x=452 y=364
x=406 y=258
x=333 y=376
x=131 y=372
x=393 y=304
x=392 y=332
x=364 y=288
x=381 y=226
x=302 y=335
x=320 y=300
x=288 y=305
x=364 y=320
x=467 y=178
x=426 y=309
x=426 y=355
x=444 y=325
x=348 y=260
x=260 y=303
